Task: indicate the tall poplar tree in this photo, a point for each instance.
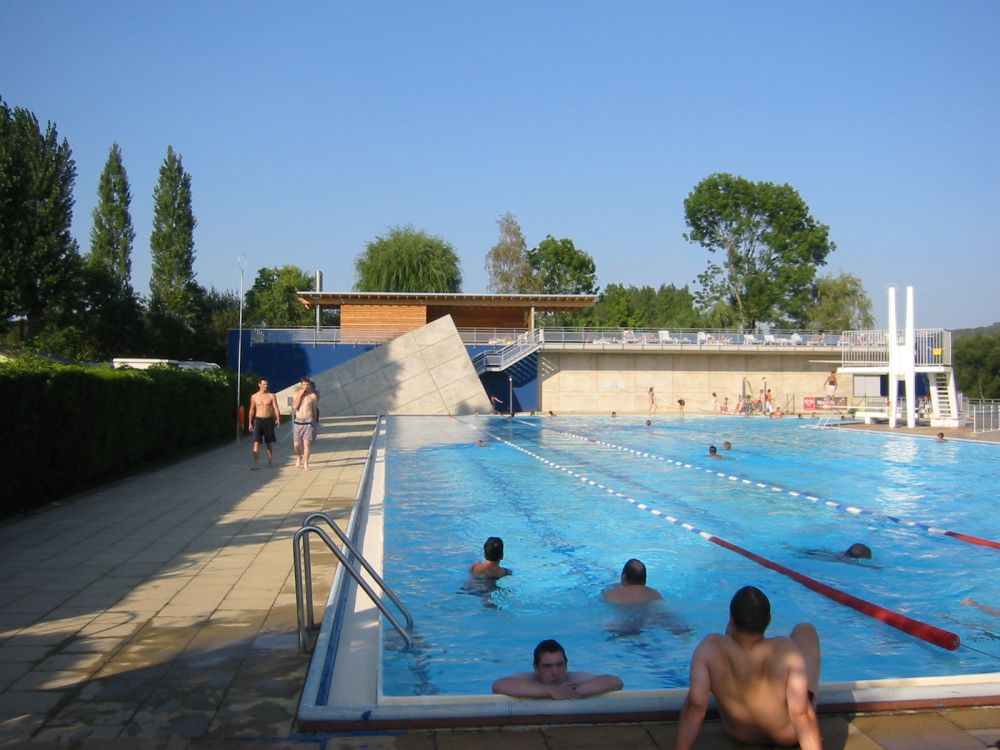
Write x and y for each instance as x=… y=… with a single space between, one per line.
x=39 y=259
x=173 y=291
x=507 y=261
x=112 y=235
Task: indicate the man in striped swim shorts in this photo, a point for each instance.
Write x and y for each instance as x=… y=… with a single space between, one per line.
x=305 y=417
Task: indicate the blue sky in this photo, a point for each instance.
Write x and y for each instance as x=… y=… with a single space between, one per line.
x=310 y=128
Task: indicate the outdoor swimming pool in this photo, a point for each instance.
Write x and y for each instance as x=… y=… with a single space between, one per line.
x=565 y=494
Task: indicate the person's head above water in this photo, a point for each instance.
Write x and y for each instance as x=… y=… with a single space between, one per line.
x=859 y=551
x=727 y=445
x=548 y=646
x=750 y=610
x=712 y=450
x=493 y=549
x=634 y=573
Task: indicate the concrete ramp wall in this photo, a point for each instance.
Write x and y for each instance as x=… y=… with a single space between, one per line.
x=425 y=371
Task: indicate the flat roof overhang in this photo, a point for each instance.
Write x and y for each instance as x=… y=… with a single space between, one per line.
x=540 y=302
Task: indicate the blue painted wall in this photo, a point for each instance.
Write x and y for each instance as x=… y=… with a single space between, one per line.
x=284 y=364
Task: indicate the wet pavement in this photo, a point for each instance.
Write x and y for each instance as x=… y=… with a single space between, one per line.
x=159 y=612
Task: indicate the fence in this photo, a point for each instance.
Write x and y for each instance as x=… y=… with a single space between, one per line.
x=984 y=414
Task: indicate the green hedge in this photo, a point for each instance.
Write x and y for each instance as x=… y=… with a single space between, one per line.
x=71 y=428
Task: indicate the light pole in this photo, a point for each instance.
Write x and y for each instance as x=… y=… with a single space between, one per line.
x=242 y=260
x=510 y=393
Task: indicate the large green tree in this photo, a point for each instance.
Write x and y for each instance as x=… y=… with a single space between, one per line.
x=112 y=235
x=507 y=261
x=842 y=304
x=173 y=291
x=408 y=260
x=218 y=311
x=274 y=301
x=561 y=268
x=977 y=365
x=39 y=259
x=770 y=248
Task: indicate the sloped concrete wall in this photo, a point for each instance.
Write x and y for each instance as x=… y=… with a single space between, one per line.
x=425 y=371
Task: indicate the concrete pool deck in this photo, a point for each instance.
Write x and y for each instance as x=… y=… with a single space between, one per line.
x=159 y=612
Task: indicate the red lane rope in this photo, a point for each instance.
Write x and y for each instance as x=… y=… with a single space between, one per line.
x=973 y=539
x=937 y=636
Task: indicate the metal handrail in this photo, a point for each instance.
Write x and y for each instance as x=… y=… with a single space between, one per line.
x=298 y=547
x=319 y=516
x=499 y=359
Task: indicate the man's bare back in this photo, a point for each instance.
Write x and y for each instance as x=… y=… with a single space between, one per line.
x=750 y=685
x=632 y=594
x=764 y=687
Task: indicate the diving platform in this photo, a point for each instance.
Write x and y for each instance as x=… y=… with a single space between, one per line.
x=902 y=354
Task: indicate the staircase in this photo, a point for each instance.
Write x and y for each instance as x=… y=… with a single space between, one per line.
x=498 y=360
x=944 y=399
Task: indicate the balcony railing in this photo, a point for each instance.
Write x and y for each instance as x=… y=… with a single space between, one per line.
x=931 y=346
x=858 y=348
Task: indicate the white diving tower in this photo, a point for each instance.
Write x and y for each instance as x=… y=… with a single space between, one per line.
x=901 y=354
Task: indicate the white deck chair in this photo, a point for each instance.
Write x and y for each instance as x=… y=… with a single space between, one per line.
x=749 y=338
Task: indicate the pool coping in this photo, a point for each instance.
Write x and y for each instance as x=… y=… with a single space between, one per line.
x=343 y=688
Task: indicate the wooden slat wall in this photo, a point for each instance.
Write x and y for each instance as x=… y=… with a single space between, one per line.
x=382 y=317
x=482 y=317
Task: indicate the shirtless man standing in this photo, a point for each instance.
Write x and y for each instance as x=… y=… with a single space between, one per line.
x=633 y=588
x=264 y=417
x=552 y=679
x=764 y=687
x=831 y=384
x=305 y=417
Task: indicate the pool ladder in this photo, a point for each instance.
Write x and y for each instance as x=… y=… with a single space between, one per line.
x=303 y=578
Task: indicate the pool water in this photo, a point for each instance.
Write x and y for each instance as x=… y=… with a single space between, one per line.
x=565 y=493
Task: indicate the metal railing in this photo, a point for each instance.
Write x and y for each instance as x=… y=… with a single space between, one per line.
x=525 y=344
x=303 y=567
x=585 y=335
x=700 y=337
x=303 y=577
x=984 y=413
x=931 y=346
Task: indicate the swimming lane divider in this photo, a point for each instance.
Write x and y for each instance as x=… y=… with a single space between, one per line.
x=931 y=634
x=853 y=510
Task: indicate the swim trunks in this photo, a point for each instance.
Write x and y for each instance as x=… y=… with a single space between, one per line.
x=263 y=430
x=303 y=431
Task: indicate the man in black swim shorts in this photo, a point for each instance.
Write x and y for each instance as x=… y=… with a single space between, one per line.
x=263 y=418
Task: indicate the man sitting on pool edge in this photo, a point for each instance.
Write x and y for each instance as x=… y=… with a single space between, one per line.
x=551 y=678
x=764 y=687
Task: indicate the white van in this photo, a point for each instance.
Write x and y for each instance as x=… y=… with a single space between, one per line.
x=143 y=363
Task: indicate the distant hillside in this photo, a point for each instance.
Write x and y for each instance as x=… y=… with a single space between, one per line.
x=982 y=330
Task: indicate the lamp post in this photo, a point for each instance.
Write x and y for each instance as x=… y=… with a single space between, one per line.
x=242 y=260
x=510 y=394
